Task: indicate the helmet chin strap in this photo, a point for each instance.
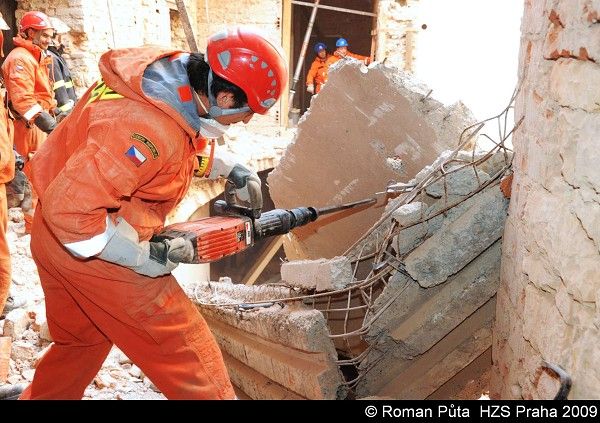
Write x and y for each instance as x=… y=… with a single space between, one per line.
x=215 y=110
x=200 y=103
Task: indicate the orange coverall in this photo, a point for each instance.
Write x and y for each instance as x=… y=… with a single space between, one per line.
x=7 y=172
x=317 y=74
x=29 y=90
x=84 y=173
x=337 y=56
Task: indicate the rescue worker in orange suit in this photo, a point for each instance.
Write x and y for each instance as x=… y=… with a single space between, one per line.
x=7 y=172
x=107 y=177
x=64 y=92
x=317 y=74
x=342 y=52
x=29 y=89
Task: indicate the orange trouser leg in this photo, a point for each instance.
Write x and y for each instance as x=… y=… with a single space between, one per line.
x=151 y=320
x=28 y=207
x=27 y=140
x=5 y=269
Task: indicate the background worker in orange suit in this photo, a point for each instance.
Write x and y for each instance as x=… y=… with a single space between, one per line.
x=317 y=74
x=107 y=177
x=26 y=74
x=342 y=52
x=29 y=90
x=7 y=172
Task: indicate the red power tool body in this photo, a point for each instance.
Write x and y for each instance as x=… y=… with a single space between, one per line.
x=233 y=230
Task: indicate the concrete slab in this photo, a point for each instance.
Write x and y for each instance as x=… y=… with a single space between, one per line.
x=342 y=151
x=288 y=344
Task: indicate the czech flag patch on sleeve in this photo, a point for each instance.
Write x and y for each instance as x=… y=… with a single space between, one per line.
x=135 y=156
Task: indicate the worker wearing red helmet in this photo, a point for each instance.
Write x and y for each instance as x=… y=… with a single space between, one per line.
x=28 y=83
x=7 y=172
x=107 y=177
x=29 y=89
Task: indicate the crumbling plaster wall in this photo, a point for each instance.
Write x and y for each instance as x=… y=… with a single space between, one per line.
x=97 y=26
x=396 y=32
x=550 y=287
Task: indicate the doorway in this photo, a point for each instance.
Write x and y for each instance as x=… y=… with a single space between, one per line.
x=329 y=25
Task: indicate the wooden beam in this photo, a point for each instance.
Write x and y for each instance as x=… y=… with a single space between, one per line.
x=187 y=26
x=265 y=257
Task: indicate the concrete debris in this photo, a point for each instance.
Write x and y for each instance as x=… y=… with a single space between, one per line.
x=459 y=241
x=394 y=129
x=319 y=275
x=16 y=322
x=287 y=344
x=424 y=331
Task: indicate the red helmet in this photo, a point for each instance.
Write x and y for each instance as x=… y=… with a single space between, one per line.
x=246 y=59
x=34 y=20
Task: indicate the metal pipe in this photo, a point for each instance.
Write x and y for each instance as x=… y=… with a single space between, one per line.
x=333 y=209
x=300 y=62
x=338 y=9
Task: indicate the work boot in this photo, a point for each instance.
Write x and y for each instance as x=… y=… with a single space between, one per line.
x=11 y=392
x=12 y=303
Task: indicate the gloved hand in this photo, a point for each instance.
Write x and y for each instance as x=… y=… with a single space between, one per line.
x=59 y=115
x=147 y=258
x=17 y=189
x=243 y=189
x=310 y=88
x=45 y=122
x=19 y=161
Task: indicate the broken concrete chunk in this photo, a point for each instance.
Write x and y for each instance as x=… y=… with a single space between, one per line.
x=389 y=126
x=321 y=275
x=458 y=182
x=287 y=344
x=408 y=239
x=16 y=323
x=451 y=249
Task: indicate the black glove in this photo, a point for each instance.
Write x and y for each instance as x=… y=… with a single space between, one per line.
x=243 y=189
x=19 y=161
x=60 y=115
x=45 y=122
x=17 y=189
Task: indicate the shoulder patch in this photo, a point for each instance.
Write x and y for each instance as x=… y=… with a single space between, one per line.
x=147 y=143
x=135 y=156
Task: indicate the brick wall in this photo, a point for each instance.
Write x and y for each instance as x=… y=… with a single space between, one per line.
x=97 y=26
x=396 y=34
x=548 y=301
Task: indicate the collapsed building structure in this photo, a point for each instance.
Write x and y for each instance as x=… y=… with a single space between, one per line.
x=414 y=298
x=399 y=304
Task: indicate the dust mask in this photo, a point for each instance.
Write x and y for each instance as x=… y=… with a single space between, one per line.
x=209 y=128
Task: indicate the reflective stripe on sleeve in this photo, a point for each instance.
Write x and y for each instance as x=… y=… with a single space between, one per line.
x=91 y=247
x=32 y=112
